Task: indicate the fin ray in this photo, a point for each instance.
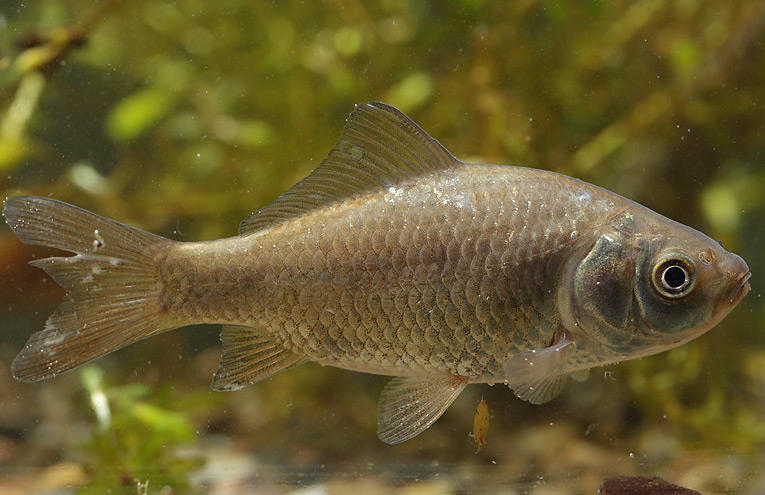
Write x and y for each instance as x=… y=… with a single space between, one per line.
x=112 y=295
x=249 y=356
x=538 y=376
x=379 y=147
x=409 y=405
x=579 y=375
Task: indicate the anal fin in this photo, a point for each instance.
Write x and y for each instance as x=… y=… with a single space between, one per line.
x=409 y=405
x=248 y=356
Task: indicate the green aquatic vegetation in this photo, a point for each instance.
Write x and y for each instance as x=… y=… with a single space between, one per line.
x=660 y=101
x=136 y=440
x=13 y=142
x=683 y=392
x=137 y=113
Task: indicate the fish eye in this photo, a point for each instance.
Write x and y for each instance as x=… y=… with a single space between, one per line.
x=674 y=276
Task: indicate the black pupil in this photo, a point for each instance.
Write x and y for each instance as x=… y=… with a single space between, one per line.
x=674 y=277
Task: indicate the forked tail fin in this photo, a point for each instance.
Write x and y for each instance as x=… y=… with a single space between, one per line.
x=113 y=294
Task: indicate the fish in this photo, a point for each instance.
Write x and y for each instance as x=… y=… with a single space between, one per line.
x=395 y=258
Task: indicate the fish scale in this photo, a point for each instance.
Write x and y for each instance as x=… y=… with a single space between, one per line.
x=393 y=257
x=295 y=287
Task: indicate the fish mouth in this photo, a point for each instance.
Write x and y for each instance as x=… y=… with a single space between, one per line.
x=739 y=289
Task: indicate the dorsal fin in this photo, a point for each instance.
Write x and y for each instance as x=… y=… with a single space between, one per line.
x=379 y=147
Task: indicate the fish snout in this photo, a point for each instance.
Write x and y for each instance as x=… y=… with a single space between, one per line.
x=740 y=274
x=740 y=288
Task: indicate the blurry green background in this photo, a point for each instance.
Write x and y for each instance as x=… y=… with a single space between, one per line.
x=183 y=117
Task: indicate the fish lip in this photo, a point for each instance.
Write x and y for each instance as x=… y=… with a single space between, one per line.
x=739 y=289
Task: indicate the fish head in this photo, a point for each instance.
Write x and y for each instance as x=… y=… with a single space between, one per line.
x=645 y=284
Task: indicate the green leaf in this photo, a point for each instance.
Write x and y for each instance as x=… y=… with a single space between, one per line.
x=137 y=113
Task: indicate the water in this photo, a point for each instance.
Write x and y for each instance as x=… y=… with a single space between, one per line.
x=182 y=119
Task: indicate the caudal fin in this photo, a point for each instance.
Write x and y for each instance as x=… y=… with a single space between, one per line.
x=112 y=291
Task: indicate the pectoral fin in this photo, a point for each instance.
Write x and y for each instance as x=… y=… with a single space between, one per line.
x=249 y=356
x=409 y=405
x=539 y=375
x=580 y=375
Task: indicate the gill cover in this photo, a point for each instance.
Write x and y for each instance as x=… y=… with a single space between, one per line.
x=603 y=289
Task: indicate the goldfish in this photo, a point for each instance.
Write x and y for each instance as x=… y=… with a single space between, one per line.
x=394 y=258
